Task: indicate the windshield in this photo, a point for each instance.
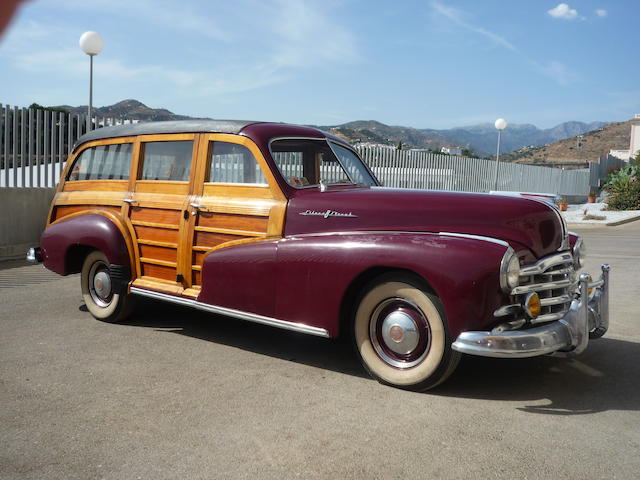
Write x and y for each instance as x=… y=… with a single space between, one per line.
x=307 y=162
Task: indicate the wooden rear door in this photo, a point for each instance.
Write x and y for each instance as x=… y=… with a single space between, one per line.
x=158 y=209
x=235 y=199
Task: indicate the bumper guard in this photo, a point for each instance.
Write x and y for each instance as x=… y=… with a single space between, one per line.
x=588 y=317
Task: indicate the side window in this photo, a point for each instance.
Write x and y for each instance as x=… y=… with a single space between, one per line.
x=234 y=163
x=104 y=162
x=167 y=161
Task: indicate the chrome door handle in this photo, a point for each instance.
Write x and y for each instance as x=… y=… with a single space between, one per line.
x=197 y=206
x=130 y=201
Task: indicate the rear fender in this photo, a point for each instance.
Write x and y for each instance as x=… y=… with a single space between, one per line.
x=88 y=231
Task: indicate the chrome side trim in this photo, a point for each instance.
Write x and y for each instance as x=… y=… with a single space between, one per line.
x=475 y=237
x=250 y=317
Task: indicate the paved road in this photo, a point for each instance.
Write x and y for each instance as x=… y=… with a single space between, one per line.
x=175 y=394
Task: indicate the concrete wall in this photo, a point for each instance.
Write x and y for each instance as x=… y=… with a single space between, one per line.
x=23 y=213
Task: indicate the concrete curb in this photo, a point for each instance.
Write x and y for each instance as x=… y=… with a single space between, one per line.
x=607 y=224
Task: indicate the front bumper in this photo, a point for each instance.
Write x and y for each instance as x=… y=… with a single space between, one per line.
x=587 y=317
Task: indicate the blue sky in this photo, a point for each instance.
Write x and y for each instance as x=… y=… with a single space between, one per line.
x=424 y=64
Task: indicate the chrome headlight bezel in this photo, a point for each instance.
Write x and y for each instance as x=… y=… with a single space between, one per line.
x=509 y=271
x=579 y=253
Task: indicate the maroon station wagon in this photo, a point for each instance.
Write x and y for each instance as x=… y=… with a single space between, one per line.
x=284 y=225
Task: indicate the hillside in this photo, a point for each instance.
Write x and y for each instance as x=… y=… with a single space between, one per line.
x=131 y=109
x=479 y=138
x=577 y=149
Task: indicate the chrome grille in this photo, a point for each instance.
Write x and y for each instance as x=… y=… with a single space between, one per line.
x=553 y=278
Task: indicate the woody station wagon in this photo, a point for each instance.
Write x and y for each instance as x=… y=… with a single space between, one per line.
x=284 y=225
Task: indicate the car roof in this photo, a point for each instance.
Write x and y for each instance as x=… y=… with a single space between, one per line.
x=175 y=126
x=199 y=126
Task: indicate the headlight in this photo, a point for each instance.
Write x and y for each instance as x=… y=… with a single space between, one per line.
x=509 y=270
x=579 y=253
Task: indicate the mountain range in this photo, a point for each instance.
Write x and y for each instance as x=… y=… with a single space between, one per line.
x=480 y=139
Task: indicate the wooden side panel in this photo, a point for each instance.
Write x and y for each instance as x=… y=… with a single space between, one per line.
x=209 y=239
x=155 y=215
x=252 y=223
x=158 y=271
x=64 y=210
x=156 y=234
x=165 y=254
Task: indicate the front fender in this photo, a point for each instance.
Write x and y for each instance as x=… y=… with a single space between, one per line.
x=315 y=271
x=91 y=230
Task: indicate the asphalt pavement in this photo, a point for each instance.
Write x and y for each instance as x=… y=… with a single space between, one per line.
x=174 y=393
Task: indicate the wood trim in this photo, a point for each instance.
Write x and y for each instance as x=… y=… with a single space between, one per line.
x=155 y=225
x=162 y=187
x=166 y=137
x=156 y=243
x=192 y=292
x=244 y=233
x=162 y=263
x=90 y=198
x=96 y=185
x=158 y=284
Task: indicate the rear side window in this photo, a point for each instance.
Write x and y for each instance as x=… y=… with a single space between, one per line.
x=167 y=161
x=234 y=163
x=104 y=162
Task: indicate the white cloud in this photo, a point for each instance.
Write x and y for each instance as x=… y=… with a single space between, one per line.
x=563 y=11
x=601 y=13
x=456 y=17
x=558 y=72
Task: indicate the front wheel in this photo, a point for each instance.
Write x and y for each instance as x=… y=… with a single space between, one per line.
x=100 y=297
x=401 y=335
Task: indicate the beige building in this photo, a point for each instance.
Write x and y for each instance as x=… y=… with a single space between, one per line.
x=634 y=145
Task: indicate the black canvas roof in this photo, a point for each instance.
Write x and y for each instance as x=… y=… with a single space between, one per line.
x=177 y=126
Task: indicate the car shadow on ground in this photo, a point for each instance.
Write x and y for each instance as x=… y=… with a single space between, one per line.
x=603 y=378
x=335 y=355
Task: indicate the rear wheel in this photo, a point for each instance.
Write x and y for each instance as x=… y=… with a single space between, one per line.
x=401 y=334
x=100 y=296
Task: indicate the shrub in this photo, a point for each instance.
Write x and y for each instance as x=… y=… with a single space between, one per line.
x=623 y=187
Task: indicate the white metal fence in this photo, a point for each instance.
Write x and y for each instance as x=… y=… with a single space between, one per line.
x=34 y=145
x=424 y=170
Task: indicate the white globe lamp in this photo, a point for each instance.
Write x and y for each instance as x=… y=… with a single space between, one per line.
x=92 y=44
x=500 y=125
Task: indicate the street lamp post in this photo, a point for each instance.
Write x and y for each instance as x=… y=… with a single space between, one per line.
x=91 y=43
x=500 y=125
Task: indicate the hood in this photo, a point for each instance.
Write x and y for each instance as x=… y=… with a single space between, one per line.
x=522 y=221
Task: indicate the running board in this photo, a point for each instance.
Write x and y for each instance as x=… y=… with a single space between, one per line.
x=250 y=317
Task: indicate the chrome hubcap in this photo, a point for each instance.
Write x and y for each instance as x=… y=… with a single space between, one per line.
x=399 y=333
x=100 y=284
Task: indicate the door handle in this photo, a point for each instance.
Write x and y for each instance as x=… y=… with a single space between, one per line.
x=131 y=201
x=197 y=206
